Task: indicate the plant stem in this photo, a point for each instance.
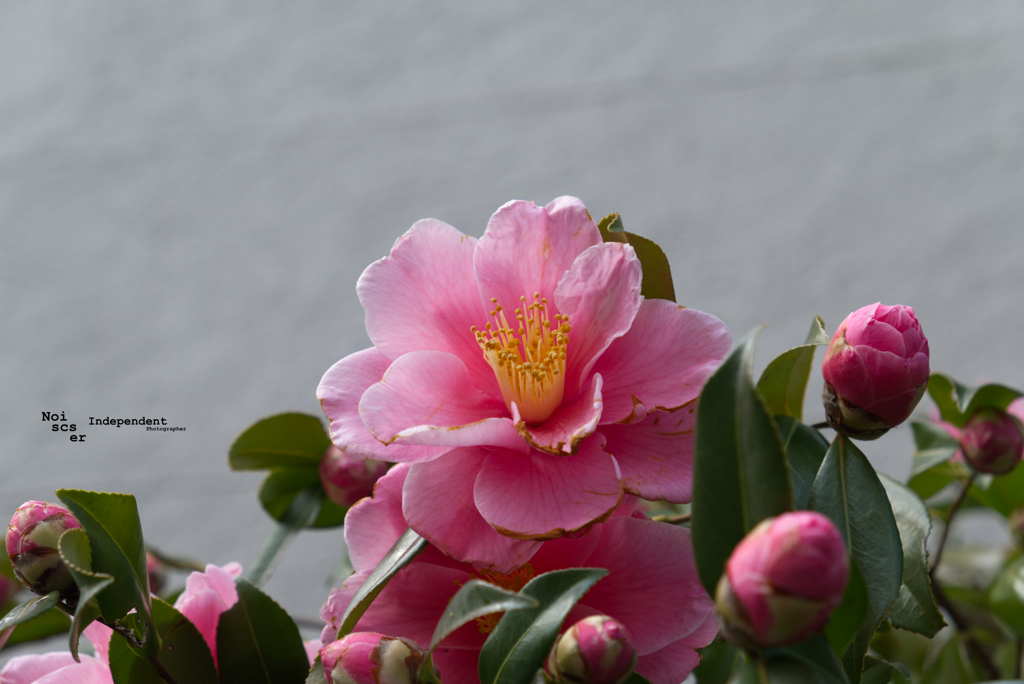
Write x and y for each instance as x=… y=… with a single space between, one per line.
x=128 y=634
x=821 y=426
x=162 y=671
x=949 y=518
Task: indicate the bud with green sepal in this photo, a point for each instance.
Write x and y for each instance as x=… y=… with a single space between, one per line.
x=346 y=479
x=992 y=441
x=32 y=539
x=596 y=650
x=371 y=658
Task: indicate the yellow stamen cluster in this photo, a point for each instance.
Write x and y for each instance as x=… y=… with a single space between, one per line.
x=514 y=581
x=529 y=359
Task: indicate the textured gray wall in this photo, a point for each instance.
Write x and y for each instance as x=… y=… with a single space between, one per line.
x=189 y=190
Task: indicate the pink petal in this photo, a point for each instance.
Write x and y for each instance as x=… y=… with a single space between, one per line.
x=652 y=586
x=601 y=295
x=312 y=649
x=207 y=595
x=438 y=503
x=428 y=398
x=673 y=663
x=339 y=393
x=540 y=496
x=99 y=635
x=528 y=249
x=423 y=296
x=662 y=362
x=55 y=668
x=570 y=424
x=373 y=526
x=655 y=456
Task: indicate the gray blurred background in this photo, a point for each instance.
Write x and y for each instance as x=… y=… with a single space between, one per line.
x=189 y=191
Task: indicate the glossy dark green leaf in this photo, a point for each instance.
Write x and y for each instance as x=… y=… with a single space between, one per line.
x=718 y=661
x=1003 y=493
x=76 y=554
x=849 y=492
x=257 y=643
x=937 y=478
x=23 y=612
x=282 y=485
x=408 y=546
x=115 y=536
x=317 y=675
x=958 y=402
x=952 y=666
x=740 y=471
x=877 y=671
x=784 y=382
x=1006 y=597
x=50 y=623
x=287 y=440
x=302 y=511
x=657 y=280
x=934 y=446
x=915 y=608
x=522 y=640
x=848 y=617
x=184 y=653
x=816 y=652
x=805 y=449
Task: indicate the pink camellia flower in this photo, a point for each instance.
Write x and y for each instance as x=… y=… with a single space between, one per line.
x=59 y=667
x=32 y=539
x=596 y=650
x=347 y=479
x=992 y=441
x=524 y=377
x=875 y=370
x=782 y=581
x=369 y=658
x=207 y=595
x=651 y=588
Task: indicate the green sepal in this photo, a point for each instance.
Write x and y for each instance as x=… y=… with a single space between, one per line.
x=657 y=280
x=740 y=472
x=184 y=653
x=282 y=485
x=76 y=554
x=521 y=641
x=287 y=440
x=258 y=643
x=783 y=383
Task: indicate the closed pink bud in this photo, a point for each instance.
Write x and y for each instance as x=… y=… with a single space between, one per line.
x=992 y=441
x=782 y=581
x=156 y=571
x=595 y=650
x=371 y=658
x=32 y=539
x=347 y=480
x=875 y=370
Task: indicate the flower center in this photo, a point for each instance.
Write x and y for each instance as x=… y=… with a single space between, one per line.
x=529 y=359
x=514 y=581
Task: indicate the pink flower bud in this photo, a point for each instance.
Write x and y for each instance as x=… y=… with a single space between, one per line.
x=596 y=650
x=992 y=441
x=875 y=369
x=347 y=480
x=371 y=658
x=32 y=540
x=157 y=573
x=782 y=581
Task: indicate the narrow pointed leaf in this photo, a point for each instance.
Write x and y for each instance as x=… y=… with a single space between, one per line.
x=76 y=554
x=284 y=441
x=848 y=617
x=184 y=653
x=740 y=471
x=805 y=449
x=50 y=623
x=302 y=511
x=24 y=612
x=849 y=492
x=280 y=488
x=934 y=446
x=522 y=640
x=112 y=524
x=408 y=546
x=257 y=643
x=915 y=608
x=784 y=382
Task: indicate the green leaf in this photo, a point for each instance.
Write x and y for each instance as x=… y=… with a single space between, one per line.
x=23 y=612
x=75 y=552
x=258 y=643
x=915 y=608
x=519 y=644
x=301 y=513
x=408 y=546
x=612 y=223
x=817 y=652
x=877 y=671
x=1004 y=492
x=717 y=662
x=474 y=600
x=951 y=667
x=937 y=478
x=184 y=654
x=637 y=679
x=50 y=623
x=958 y=402
x=848 y=617
x=849 y=492
x=805 y=449
x=317 y=675
x=1006 y=597
x=282 y=485
x=934 y=446
x=780 y=670
x=115 y=537
x=657 y=280
x=784 y=382
x=283 y=441
x=740 y=472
